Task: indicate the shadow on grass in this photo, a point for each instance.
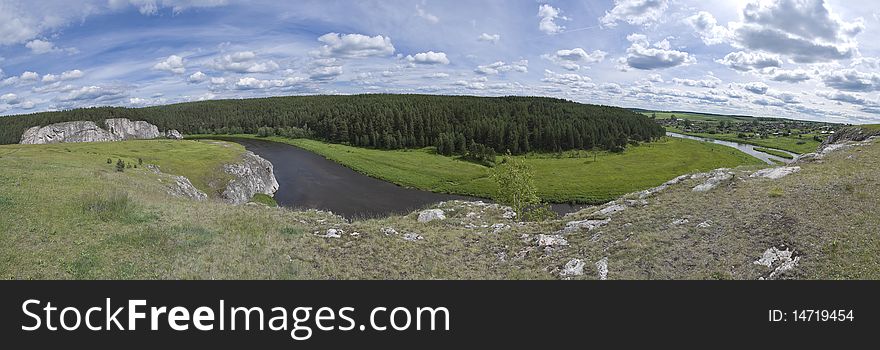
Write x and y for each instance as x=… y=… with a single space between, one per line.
x=115 y=206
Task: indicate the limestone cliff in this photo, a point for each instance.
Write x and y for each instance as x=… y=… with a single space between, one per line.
x=250 y=176
x=116 y=129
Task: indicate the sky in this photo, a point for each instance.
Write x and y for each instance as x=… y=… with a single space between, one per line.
x=802 y=59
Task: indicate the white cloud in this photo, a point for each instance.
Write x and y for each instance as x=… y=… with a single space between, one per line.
x=521 y=66
x=709 y=82
x=572 y=59
x=429 y=57
x=244 y=62
x=634 y=12
x=40 y=47
x=325 y=73
x=756 y=88
x=549 y=15
x=791 y=76
x=492 y=38
x=93 y=93
x=68 y=75
x=710 y=32
x=805 y=30
x=197 y=77
x=571 y=80
x=173 y=64
x=747 y=61
x=852 y=80
x=642 y=55
x=218 y=81
x=250 y=83
x=10 y=99
x=152 y=7
x=843 y=97
x=430 y=18
x=29 y=76
x=354 y=45
x=437 y=76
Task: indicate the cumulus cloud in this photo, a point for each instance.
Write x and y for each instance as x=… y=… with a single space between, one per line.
x=843 y=97
x=805 y=30
x=429 y=57
x=549 y=15
x=92 y=93
x=572 y=59
x=10 y=99
x=40 y=46
x=325 y=73
x=244 y=62
x=492 y=38
x=571 y=80
x=173 y=64
x=747 y=61
x=642 y=55
x=251 y=83
x=437 y=76
x=709 y=82
x=354 y=45
x=791 y=76
x=29 y=76
x=197 y=77
x=852 y=80
x=756 y=88
x=634 y=12
x=521 y=66
x=707 y=27
x=68 y=75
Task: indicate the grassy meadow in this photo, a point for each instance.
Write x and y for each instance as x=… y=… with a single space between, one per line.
x=804 y=144
x=581 y=177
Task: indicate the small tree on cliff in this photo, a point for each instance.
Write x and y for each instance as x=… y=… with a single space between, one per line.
x=516 y=188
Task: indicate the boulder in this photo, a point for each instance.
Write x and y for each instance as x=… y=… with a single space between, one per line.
x=574 y=267
x=583 y=225
x=431 y=215
x=602 y=269
x=173 y=135
x=551 y=240
x=776 y=173
x=251 y=175
x=412 y=237
x=715 y=178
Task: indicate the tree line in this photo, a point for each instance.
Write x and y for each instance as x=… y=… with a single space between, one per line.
x=453 y=124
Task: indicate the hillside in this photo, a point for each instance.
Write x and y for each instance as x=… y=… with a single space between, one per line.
x=816 y=221
x=453 y=123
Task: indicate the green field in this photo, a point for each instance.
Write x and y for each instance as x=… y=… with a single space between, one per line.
x=560 y=178
x=774 y=152
x=806 y=144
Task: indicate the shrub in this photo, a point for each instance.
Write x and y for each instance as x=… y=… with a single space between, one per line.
x=516 y=188
x=120 y=165
x=109 y=161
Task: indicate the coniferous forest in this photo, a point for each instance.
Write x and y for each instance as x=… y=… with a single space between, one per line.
x=454 y=124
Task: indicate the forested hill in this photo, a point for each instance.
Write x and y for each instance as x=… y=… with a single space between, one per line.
x=517 y=124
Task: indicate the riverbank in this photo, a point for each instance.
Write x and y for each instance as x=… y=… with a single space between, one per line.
x=569 y=177
x=805 y=144
x=769 y=156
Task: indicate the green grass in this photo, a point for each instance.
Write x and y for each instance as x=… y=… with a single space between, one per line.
x=774 y=152
x=871 y=127
x=265 y=200
x=700 y=117
x=561 y=178
x=69 y=215
x=804 y=144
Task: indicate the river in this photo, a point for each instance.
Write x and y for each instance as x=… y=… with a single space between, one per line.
x=309 y=181
x=745 y=148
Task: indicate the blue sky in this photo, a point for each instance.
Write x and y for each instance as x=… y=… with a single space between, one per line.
x=806 y=59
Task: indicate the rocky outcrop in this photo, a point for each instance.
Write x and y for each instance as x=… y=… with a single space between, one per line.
x=776 y=173
x=173 y=135
x=115 y=129
x=431 y=215
x=853 y=133
x=715 y=178
x=250 y=176
x=178 y=186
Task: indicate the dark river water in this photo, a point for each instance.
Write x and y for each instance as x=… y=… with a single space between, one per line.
x=310 y=181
